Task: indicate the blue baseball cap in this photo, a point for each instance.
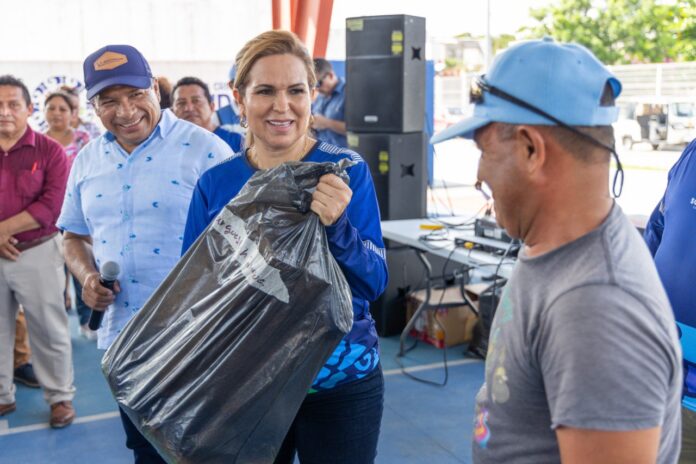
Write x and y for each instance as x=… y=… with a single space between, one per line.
x=116 y=65
x=563 y=80
x=233 y=72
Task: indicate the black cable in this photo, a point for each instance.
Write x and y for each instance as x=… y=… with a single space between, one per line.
x=463 y=225
x=404 y=267
x=415 y=343
x=433 y=199
x=444 y=344
x=438 y=235
x=449 y=210
x=441 y=235
x=462 y=290
x=429 y=130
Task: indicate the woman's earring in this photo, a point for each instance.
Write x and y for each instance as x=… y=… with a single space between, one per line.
x=243 y=122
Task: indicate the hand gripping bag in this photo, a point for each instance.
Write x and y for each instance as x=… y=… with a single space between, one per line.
x=215 y=365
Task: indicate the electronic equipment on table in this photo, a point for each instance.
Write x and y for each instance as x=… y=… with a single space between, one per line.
x=487 y=227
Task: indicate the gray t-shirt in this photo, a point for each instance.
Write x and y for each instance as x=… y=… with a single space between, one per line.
x=583 y=337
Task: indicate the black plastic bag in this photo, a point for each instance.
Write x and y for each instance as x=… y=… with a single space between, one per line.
x=216 y=364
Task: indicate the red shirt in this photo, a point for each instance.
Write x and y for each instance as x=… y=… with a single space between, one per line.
x=33 y=175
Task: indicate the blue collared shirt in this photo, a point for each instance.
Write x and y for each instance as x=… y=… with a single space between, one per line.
x=332 y=107
x=134 y=206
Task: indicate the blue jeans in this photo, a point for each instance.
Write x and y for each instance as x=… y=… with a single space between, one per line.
x=83 y=311
x=143 y=451
x=337 y=426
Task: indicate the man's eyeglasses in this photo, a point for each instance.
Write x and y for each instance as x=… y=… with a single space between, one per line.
x=476 y=96
x=320 y=81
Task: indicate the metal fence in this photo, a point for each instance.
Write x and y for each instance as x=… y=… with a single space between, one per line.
x=658 y=80
x=639 y=80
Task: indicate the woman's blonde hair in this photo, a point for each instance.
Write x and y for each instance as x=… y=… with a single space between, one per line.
x=270 y=43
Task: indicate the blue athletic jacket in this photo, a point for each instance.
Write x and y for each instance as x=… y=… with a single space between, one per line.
x=355 y=241
x=671 y=237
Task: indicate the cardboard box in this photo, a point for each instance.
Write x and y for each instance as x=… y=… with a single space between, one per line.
x=458 y=321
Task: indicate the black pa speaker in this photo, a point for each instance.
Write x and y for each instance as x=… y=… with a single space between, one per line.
x=488 y=303
x=399 y=171
x=385 y=74
x=406 y=274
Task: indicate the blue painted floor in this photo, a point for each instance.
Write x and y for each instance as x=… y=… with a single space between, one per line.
x=422 y=424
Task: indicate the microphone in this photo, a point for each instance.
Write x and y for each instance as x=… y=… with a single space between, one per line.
x=108 y=275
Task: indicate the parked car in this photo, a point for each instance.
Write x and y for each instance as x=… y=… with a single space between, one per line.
x=626 y=128
x=656 y=121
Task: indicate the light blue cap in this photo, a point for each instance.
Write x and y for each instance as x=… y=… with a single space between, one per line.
x=564 y=80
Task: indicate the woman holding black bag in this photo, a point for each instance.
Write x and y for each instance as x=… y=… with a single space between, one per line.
x=340 y=418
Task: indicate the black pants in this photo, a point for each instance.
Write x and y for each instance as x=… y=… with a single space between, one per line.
x=337 y=426
x=143 y=451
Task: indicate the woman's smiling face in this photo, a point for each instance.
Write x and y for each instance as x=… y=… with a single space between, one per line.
x=277 y=102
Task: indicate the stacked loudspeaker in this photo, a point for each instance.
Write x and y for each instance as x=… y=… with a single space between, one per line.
x=385 y=108
x=385 y=116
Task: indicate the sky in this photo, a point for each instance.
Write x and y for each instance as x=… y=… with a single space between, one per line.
x=445 y=17
x=209 y=30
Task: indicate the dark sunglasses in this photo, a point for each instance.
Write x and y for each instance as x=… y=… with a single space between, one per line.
x=320 y=81
x=479 y=86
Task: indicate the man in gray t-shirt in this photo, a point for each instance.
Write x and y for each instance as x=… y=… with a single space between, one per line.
x=584 y=363
x=583 y=338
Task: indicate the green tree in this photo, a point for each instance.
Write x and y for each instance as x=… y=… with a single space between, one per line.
x=501 y=42
x=622 y=31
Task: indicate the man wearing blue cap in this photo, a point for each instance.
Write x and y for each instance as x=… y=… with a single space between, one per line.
x=128 y=194
x=227 y=117
x=584 y=364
